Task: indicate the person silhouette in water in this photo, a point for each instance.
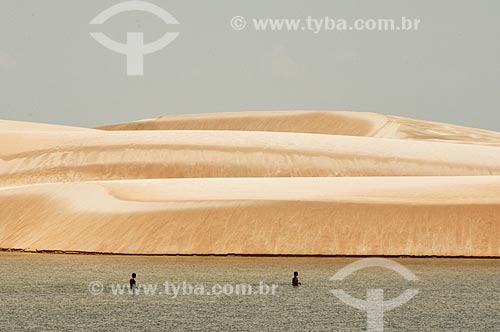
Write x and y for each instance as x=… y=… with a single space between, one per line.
x=295 y=280
x=132 y=282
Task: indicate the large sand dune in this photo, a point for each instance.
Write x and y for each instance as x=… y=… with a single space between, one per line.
x=17 y=136
x=35 y=157
x=319 y=122
x=449 y=216
x=288 y=183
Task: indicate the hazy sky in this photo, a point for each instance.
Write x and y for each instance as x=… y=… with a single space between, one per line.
x=52 y=70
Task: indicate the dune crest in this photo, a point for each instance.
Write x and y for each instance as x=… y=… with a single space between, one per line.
x=318 y=122
x=311 y=122
x=102 y=155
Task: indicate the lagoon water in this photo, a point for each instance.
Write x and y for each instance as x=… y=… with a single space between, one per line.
x=48 y=292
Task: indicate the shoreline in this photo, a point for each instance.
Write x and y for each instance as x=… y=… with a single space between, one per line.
x=96 y=253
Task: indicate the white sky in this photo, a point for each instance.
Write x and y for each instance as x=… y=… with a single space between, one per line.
x=52 y=71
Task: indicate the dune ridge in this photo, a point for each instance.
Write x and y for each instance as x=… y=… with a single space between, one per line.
x=335 y=123
x=101 y=155
x=319 y=122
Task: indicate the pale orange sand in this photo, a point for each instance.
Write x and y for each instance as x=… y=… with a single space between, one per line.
x=61 y=156
x=318 y=122
x=17 y=136
x=444 y=216
x=330 y=183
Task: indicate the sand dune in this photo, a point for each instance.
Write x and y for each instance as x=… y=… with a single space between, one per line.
x=318 y=122
x=276 y=183
x=18 y=136
x=21 y=126
x=336 y=123
x=53 y=156
x=450 y=216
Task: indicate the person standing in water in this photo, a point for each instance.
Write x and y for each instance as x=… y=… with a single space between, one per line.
x=295 y=280
x=132 y=282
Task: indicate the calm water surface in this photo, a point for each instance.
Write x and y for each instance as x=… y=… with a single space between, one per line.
x=44 y=292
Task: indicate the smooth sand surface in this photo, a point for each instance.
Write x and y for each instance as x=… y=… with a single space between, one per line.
x=443 y=216
x=114 y=155
x=17 y=136
x=313 y=122
x=276 y=183
x=318 y=122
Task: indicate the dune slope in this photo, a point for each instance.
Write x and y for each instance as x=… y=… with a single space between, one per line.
x=102 y=155
x=313 y=122
x=319 y=122
x=444 y=216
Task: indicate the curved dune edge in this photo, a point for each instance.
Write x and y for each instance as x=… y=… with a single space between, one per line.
x=311 y=122
x=19 y=126
x=100 y=155
x=18 y=136
x=414 y=216
x=318 y=122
